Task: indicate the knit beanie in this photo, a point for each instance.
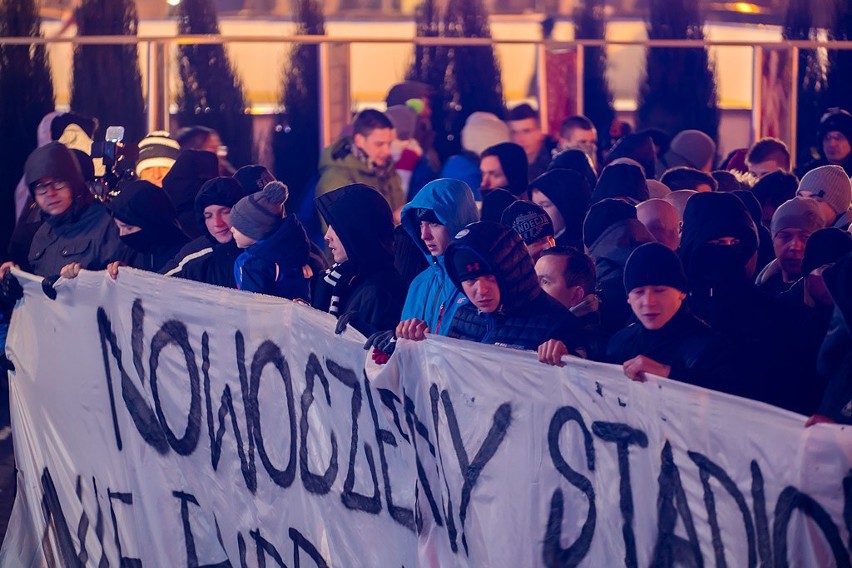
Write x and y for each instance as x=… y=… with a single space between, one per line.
x=157 y=149
x=654 y=264
x=621 y=180
x=639 y=148
x=469 y=264
x=404 y=120
x=798 y=213
x=494 y=202
x=403 y=92
x=830 y=184
x=513 y=160
x=577 y=161
x=529 y=220
x=222 y=191
x=836 y=120
x=603 y=215
x=482 y=130
x=253 y=178
x=691 y=148
x=826 y=246
x=258 y=215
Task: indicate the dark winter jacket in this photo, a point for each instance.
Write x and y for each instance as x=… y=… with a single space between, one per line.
x=835 y=357
x=367 y=284
x=211 y=263
x=276 y=265
x=527 y=316
x=144 y=205
x=181 y=185
x=432 y=296
x=85 y=233
x=696 y=354
x=343 y=164
x=610 y=252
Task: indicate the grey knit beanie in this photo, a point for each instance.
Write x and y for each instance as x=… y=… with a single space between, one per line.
x=259 y=215
x=830 y=184
x=797 y=213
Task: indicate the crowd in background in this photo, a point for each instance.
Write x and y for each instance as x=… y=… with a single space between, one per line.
x=653 y=254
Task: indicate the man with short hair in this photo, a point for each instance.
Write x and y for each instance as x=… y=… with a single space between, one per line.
x=683 y=177
x=525 y=131
x=579 y=132
x=660 y=218
x=768 y=155
x=364 y=158
x=830 y=187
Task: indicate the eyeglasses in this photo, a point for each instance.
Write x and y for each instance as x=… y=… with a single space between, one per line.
x=41 y=189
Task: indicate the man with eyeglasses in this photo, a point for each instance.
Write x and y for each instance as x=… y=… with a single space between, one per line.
x=835 y=142
x=75 y=228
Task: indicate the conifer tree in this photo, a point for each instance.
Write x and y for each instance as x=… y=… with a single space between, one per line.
x=679 y=88
x=798 y=25
x=26 y=95
x=211 y=93
x=107 y=84
x=296 y=136
x=597 y=96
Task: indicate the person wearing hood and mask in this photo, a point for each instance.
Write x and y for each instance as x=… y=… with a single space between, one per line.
x=611 y=232
x=148 y=225
x=76 y=229
x=504 y=166
x=576 y=161
x=275 y=247
x=622 y=181
x=210 y=258
x=362 y=288
x=507 y=307
x=719 y=253
x=189 y=172
x=564 y=195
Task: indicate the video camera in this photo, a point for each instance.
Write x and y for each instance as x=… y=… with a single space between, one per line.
x=110 y=164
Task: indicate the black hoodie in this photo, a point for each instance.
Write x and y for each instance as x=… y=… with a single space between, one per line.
x=569 y=192
x=144 y=205
x=513 y=161
x=527 y=317
x=367 y=283
x=181 y=184
x=835 y=357
x=84 y=233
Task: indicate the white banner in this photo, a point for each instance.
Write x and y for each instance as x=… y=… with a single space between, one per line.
x=164 y=423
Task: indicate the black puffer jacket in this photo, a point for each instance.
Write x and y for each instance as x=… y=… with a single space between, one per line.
x=84 y=233
x=696 y=354
x=368 y=285
x=527 y=317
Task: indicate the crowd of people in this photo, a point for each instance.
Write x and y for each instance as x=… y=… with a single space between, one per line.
x=736 y=277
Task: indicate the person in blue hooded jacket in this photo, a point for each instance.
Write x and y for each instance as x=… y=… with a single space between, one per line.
x=440 y=210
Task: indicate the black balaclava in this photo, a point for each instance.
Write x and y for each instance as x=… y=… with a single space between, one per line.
x=144 y=205
x=711 y=216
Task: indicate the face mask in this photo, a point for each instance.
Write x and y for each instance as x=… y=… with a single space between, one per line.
x=718 y=263
x=138 y=241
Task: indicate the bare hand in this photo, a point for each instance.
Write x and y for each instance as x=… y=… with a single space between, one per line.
x=636 y=368
x=6 y=267
x=112 y=269
x=818 y=419
x=413 y=329
x=71 y=271
x=551 y=352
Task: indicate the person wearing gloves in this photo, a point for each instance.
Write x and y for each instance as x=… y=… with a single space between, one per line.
x=275 y=246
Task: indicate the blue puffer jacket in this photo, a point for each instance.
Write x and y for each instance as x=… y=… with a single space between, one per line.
x=432 y=297
x=274 y=266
